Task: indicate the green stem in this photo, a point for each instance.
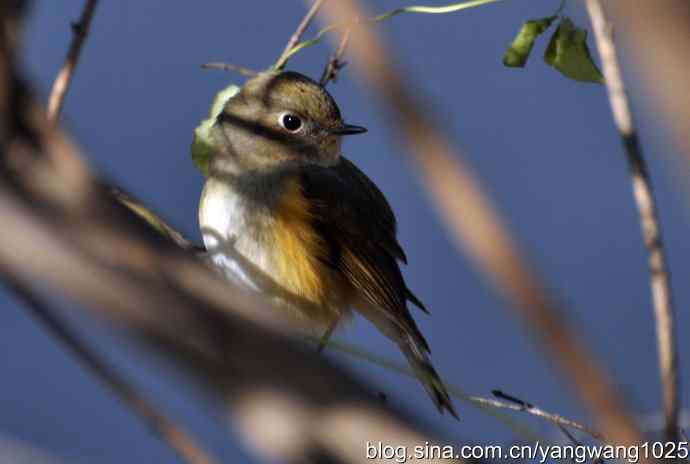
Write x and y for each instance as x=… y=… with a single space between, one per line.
x=421 y=9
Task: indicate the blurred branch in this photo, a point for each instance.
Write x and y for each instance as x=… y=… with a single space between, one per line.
x=154 y=220
x=658 y=36
x=159 y=424
x=297 y=35
x=651 y=228
x=63 y=80
x=227 y=340
x=477 y=228
x=15 y=451
x=173 y=435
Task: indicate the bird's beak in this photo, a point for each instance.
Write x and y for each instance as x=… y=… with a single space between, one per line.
x=348 y=129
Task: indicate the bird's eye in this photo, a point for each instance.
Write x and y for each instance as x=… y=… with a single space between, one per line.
x=290 y=122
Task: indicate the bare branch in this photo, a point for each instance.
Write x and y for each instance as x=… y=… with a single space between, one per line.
x=477 y=228
x=487 y=405
x=517 y=404
x=299 y=32
x=154 y=220
x=416 y=9
x=230 y=67
x=335 y=63
x=63 y=80
x=649 y=221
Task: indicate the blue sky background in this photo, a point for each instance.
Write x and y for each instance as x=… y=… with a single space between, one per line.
x=544 y=146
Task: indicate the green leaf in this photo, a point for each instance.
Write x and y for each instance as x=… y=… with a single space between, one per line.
x=518 y=52
x=568 y=53
x=203 y=146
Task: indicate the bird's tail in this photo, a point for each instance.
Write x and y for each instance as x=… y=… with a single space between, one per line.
x=418 y=357
x=405 y=333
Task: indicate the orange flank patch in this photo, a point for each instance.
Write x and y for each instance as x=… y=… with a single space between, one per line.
x=299 y=248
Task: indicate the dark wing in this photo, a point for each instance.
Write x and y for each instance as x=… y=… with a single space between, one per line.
x=378 y=211
x=353 y=217
x=357 y=223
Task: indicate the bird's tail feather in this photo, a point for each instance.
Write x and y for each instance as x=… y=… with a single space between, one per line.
x=421 y=365
x=411 y=342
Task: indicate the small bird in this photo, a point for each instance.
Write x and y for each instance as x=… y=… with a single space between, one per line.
x=285 y=213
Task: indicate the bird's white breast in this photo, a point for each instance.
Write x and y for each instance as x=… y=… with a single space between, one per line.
x=229 y=232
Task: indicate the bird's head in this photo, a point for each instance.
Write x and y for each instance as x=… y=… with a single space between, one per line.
x=280 y=117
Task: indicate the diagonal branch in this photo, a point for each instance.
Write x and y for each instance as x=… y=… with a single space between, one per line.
x=139 y=405
x=517 y=404
x=335 y=62
x=158 y=422
x=649 y=220
x=64 y=77
x=299 y=32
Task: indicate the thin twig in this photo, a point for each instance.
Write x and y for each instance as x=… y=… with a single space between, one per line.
x=183 y=444
x=299 y=32
x=479 y=229
x=517 y=404
x=230 y=67
x=649 y=221
x=335 y=63
x=421 y=9
x=63 y=80
x=488 y=405
x=157 y=421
